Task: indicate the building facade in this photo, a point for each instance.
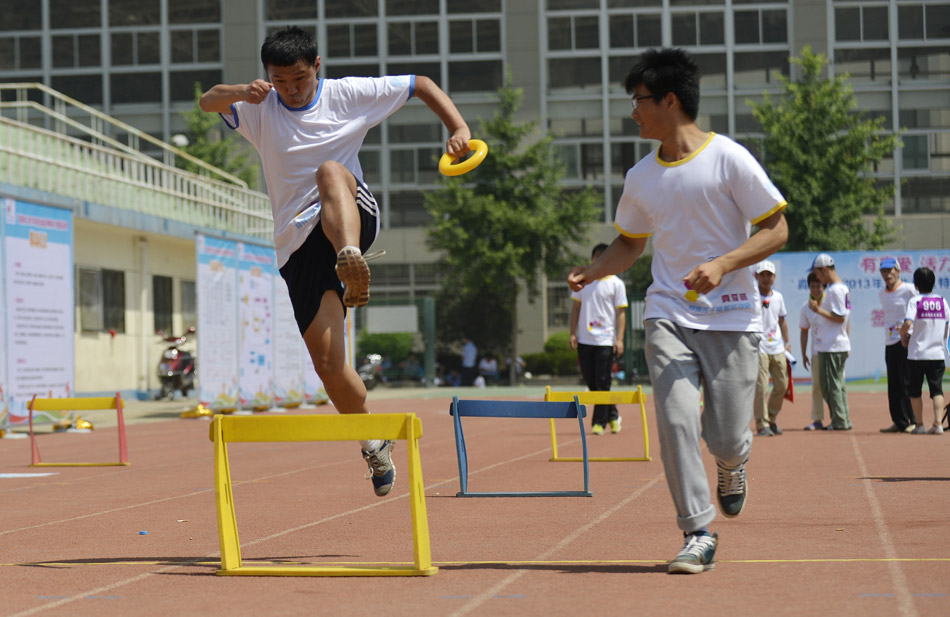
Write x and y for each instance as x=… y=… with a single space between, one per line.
x=138 y=61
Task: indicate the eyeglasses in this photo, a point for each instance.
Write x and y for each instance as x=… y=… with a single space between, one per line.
x=636 y=99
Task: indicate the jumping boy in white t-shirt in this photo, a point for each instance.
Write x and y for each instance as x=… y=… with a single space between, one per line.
x=924 y=333
x=308 y=132
x=698 y=196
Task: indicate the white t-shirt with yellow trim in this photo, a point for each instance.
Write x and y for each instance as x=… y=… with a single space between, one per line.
x=696 y=210
x=597 y=321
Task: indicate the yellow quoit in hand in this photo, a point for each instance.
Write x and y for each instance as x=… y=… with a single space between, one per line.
x=449 y=166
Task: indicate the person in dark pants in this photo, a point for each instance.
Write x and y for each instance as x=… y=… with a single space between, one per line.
x=894 y=299
x=600 y=308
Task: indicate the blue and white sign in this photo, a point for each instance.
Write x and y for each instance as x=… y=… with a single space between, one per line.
x=860 y=271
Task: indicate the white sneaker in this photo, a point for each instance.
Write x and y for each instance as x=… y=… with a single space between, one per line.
x=936 y=429
x=919 y=430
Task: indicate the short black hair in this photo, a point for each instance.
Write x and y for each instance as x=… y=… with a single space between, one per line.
x=924 y=280
x=812 y=277
x=287 y=46
x=600 y=248
x=667 y=70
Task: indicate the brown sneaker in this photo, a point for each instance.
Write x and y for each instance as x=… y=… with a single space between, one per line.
x=353 y=272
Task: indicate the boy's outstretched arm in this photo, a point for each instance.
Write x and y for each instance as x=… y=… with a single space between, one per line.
x=220 y=98
x=438 y=101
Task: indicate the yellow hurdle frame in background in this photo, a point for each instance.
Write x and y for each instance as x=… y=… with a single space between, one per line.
x=352 y=427
x=615 y=397
x=85 y=403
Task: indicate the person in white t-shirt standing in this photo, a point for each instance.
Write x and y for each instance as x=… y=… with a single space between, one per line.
x=698 y=195
x=308 y=132
x=925 y=330
x=894 y=298
x=772 y=349
x=808 y=322
x=598 y=321
x=831 y=340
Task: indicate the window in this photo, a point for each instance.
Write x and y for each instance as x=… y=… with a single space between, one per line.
x=407 y=209
x=412 y=7
x=90 y=300
x=628 y=31
x=690 y=29
x=482 y=35
x=864 y=65
x=194 y=11
x=137 y=87
x=283 y=10
x=349 y=8
x=574 y=74
x=475 y=76
x=573 y=32
x=84 y=88
x=916 y=152
x=189 y=305
x=559 y=306
x=765 y=26
x=349 y=40
x=135 y=48
x=101 y=300
x=69 y=14
x=21 y=16
x=195 y=46
x=113 y=300
x=72 y=50
x=162 y=303
x=408 y=38
x=132 y=12
x=867 y=23
x=182 y=83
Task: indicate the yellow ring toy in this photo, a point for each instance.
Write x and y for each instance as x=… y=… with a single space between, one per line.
x=449 y=167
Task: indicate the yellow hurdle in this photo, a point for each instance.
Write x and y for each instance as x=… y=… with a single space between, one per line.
x=354 y=427
x=85 y=403
x=614 y=397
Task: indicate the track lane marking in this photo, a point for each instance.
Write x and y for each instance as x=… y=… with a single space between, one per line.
x=496 y=589
x=905 y=602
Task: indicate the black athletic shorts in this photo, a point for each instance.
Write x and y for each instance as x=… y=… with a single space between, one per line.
x=917 y=370
x=311 y=269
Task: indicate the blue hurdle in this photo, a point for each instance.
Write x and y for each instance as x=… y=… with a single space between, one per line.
x=516 y=409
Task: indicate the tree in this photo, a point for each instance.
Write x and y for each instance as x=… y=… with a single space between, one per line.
x=501 y=227
x=226 y=154
x=819 y=152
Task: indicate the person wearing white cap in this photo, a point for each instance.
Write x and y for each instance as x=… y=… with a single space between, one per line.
x=772 y=347
x=831 y=340
x=698 y=196
x=894 y=299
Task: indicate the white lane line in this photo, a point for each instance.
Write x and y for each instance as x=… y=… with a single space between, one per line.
x=496 y=589
x=905 y=602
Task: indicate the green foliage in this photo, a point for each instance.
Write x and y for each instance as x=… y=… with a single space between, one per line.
x=503 y=225
x=820 y=152
x=227 y=154
x=396 y=345
x=459 y=315
x=557 y=358
x=558 y=342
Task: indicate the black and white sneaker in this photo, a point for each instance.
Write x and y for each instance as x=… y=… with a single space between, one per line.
x=697 y=554
x=733 y=489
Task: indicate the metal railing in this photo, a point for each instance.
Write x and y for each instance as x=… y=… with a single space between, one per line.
x=65 y=150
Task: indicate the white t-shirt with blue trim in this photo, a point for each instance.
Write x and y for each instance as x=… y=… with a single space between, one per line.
x=294 y=142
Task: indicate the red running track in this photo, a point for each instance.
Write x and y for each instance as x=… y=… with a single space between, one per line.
x=840 y=523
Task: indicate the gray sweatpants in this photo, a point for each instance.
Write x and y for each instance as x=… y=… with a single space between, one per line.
x=725 y=364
